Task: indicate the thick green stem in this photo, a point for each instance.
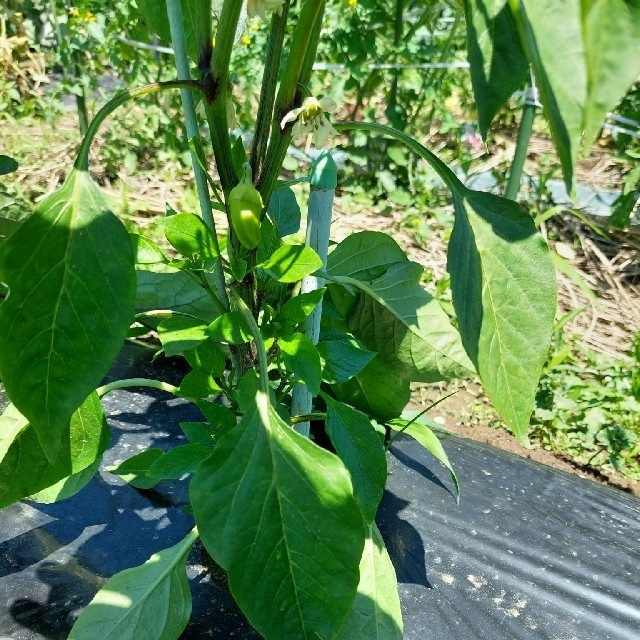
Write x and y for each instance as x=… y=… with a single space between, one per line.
x=268 y=88
x=216 y=90
x=137 y=382
x=448 y=177
x=263 y=363
x=297 y=72
x=82 y=161
x=174 y=12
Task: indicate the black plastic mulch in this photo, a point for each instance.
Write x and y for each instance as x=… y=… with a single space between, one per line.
x=529 y=553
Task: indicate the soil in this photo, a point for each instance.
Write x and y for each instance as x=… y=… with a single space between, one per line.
x=458 y=414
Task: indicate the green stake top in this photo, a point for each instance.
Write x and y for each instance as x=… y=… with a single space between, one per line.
x=324 y=172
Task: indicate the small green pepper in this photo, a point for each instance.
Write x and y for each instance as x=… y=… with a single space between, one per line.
x=245 y=207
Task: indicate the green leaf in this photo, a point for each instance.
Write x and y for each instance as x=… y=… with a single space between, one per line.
x=175 y=290
x=269 y=505
x=207 y=356
x=199 y=383
x=200 y=433
x=504 y=293
x=146 y=251
x=343 y=359
x=70 y=306
x=365 y=256
x=24 y=468
x=218 y=416
x=291 y=263
x=179 y=461
x=428 y=439
x=551 y=35
x=612 y=47
x=360 y=447
x=7 y=165
x=498 y=64
x=301 y=357
x=149 y=601
x=190 y=236
x=181 y=333
x=395 y=317
x=284 y=211
x=376 y=612
x=231 y=328
x=134 y=470
x=296 y=309
x=376 y=390
x=67 y=487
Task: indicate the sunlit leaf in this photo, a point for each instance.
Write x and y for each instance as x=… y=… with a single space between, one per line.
x=149 y=601
x=504 y=292
x=24 y=468
x=291 y=263
x=269 y=505
x=376 y=613
x=190 y=236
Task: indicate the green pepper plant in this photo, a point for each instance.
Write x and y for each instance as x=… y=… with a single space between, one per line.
x=287 y=332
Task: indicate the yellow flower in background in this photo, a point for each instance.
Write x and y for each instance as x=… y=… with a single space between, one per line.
x=246 y=40
x=310 y=118
x=353 y=3
x=73 y=12
x=261 y=7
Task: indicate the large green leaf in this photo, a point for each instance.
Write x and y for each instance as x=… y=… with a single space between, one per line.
x=376 y=613
x=551 y=35
x=394 y=316
x=498 y=64
x=70 y=271
x=151 y=601
x=504 y=292
x=612 y=47
x=360 y=447
x=24 y=468
x=278 y=514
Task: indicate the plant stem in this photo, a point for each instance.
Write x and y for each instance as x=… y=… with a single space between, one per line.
x=297 y=72
x=82 y=160
x=215 y=95
x=522 y=144
x=448 y=177
x=137 y=382
x=174 y=12
x=263 y=364
x=268 y=88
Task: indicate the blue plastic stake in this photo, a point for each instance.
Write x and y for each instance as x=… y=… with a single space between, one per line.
x=323 y=180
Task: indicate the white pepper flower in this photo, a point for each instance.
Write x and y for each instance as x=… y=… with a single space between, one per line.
x=310 y=118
